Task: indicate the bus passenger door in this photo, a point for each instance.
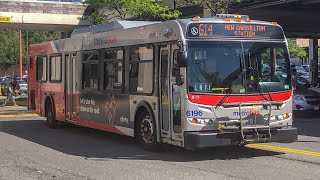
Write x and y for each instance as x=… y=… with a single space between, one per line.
x=70 y=90
x=170 y=96
x=175 y=94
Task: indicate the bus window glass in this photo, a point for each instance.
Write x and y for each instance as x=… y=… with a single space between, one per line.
x=113 y=69
x=238 y=67
x=141 y=69
x=176 y=95
x=94 y=84
x=141 y=53
x=30 y=63
x=269 y=70
x=86 y=78
x=55 y=68
x=114 y=54
x=90 y=71
x=108 y=75
x=41 y=69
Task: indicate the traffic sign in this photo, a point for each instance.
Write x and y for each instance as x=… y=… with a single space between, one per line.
x=5 y=19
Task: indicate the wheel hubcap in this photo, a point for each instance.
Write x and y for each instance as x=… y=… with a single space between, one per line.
x=147 y=129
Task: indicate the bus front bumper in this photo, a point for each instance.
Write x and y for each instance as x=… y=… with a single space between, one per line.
x=197 y=140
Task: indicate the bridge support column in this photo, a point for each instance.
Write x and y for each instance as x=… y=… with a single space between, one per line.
x=313 y=61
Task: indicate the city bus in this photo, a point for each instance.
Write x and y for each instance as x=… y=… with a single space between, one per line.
x=193 y=83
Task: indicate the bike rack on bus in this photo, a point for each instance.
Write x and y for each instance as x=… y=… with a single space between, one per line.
x=255 y=127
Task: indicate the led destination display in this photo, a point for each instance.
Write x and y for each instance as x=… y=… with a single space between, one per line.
x=208 y=30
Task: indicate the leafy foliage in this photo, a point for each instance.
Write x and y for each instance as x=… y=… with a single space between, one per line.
x=9 y=54
x=106 y=10
x=215 y=6
x=295 y=50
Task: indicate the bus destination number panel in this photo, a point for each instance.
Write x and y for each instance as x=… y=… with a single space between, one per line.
x=216 y=30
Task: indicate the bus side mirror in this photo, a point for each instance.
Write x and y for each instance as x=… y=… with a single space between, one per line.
x=182 y=59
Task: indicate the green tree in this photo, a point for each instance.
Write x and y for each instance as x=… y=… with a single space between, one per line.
x=214 y=6
x=41 y=36
x=9 y=54
x=104 y=10
x=295 y=50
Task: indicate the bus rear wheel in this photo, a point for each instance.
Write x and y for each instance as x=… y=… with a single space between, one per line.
x=146 y=132
x=51 y=120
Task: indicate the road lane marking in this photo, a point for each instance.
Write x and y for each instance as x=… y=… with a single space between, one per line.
x=283 y=149
x=18 y=115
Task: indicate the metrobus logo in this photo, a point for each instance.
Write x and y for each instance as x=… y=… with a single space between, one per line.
x=109 y=39
x=245 y=113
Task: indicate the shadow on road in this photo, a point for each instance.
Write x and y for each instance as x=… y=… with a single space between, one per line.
x=308 y=123
x=99 y=145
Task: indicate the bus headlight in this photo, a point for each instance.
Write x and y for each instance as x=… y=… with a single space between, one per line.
x=283 y=117
x=277 y=118
x=200 y=121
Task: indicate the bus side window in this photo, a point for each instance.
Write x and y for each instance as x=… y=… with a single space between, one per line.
x=141 y=69
x=113 y=69
x=41 y=68
x=90 y=71
x=133 y=74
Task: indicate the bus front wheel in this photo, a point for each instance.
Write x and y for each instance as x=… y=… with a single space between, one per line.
x=146 y=131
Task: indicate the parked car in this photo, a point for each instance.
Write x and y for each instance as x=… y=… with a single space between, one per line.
x=306 y=67
x=23 y=87
x=302 y=83
x=306 y=99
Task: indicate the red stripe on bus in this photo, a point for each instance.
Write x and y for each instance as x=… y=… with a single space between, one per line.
x=215 y=99
x=100 y=126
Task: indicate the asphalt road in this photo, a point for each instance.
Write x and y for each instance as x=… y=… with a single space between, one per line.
x=30 y=150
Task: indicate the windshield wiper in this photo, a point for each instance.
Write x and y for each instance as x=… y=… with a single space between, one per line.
x=220 y=103
x=259 y=82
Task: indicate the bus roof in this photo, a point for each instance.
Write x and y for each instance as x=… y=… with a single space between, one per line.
x=120 y=33
x=110 y=26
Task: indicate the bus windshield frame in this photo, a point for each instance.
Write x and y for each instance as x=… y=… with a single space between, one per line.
x=238 y=67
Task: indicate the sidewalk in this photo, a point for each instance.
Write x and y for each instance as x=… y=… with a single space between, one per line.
x=21 y=101
x=15 y=111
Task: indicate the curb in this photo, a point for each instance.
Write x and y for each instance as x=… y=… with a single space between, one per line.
x=18 y=115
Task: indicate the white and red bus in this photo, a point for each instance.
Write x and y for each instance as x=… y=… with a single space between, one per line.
x=193 y=83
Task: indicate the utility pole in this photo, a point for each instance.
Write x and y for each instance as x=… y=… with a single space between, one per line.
x=20 y=53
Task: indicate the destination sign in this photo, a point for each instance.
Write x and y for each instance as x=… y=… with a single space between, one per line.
x=5 y=19
x=198 y=30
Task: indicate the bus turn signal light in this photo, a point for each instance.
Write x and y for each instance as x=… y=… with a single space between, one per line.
x=274 y=23
x=196 y=19
x=227 y=19
x=194 y=121
x=286 y=116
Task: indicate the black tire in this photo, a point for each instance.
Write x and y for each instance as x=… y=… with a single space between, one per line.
x=146 y=131
x=51 y=119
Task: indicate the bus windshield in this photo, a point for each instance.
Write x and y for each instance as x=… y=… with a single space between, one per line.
x=238 y=67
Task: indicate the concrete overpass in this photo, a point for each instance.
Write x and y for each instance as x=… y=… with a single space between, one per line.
x=33 y=15
x=299 y=18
